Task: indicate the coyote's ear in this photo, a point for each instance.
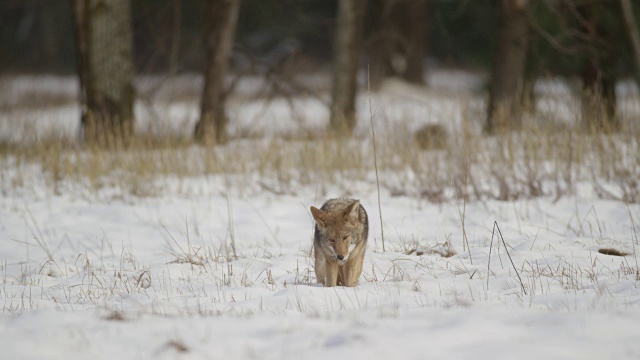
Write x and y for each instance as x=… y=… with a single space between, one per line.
x=352 y=210
x=318 y=215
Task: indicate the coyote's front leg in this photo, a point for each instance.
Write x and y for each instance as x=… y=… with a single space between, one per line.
x=350 y=277
x=330 y=273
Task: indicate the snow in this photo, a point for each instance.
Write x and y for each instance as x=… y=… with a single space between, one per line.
x=132 y=277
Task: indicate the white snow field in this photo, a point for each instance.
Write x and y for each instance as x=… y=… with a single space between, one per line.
x=220 y=266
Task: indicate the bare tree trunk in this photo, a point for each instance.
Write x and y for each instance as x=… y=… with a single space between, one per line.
x=174 y=53
x=598 y=95
x=508 y=68
x=105 y=67
x=400 y=46
x=81 y=29
x=598 y=98
x=418 y=36
x=221 y=18
x=347 y=48
x=633 y=33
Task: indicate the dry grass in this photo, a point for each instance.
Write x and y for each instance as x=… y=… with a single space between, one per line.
x=533 y=162
x=544 y=158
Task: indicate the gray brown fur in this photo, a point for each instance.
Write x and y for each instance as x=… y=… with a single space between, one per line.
x=340 y=241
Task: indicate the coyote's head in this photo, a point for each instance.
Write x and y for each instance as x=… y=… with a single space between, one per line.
x=339 y=230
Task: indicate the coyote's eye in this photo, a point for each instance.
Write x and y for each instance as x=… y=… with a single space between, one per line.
x=332 y=240
x=345 y=237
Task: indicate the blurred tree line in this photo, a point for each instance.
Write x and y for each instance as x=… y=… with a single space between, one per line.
x=515 y=40
x=36 y=36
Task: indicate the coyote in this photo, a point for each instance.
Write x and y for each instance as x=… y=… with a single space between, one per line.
x=339 y=241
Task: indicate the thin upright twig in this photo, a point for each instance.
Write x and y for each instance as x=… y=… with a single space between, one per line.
x=465 y=239
x=232 y=234
x=495 y=226
x=634 y=240
x=375 y=158
x=489 y=262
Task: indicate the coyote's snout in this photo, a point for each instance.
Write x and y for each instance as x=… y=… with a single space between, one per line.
x=340 y=240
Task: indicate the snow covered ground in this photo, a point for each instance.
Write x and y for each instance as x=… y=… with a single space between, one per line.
x=223 y=271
